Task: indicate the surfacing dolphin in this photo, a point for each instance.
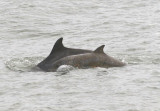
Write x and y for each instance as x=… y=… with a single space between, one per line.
x=96 y=58
x=59 y=51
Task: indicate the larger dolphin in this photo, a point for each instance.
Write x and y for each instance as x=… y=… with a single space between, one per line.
x=59 y=51
x=88 y=60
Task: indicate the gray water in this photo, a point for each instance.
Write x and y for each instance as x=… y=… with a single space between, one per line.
x=130 y=29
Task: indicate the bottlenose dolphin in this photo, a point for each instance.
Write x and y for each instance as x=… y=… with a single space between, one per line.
x=59 y=51
x=96 y=58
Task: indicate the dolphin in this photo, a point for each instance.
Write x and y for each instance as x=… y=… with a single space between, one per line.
x=59 y=51
x=96 y=58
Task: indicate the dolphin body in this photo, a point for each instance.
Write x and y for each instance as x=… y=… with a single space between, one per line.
x=96 y=58
x=59 y=51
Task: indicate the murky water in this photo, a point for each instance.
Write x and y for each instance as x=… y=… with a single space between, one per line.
x=130 y=30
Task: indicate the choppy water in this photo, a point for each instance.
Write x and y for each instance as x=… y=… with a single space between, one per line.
x=130 y=30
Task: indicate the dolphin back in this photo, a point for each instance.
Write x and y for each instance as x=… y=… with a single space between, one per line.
x=59 y=51
x=96 y=58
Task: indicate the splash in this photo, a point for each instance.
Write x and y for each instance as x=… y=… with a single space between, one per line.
x=23 y=64
x=63 y=69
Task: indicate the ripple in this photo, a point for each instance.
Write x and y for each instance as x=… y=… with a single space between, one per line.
x=154 y=87
x=156 y=61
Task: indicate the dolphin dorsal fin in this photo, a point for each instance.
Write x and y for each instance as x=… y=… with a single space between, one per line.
x=58 y=45
x=99 y=49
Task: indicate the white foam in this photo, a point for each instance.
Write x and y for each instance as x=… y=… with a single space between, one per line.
x=65 y=68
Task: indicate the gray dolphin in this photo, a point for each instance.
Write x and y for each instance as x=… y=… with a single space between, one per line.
x=96 y=58
x=59 y=51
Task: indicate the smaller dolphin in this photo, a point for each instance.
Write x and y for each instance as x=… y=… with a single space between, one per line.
x=59 y=51
x=88 y=60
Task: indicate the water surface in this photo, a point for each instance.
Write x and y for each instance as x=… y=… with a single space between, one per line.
x=129 y=29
